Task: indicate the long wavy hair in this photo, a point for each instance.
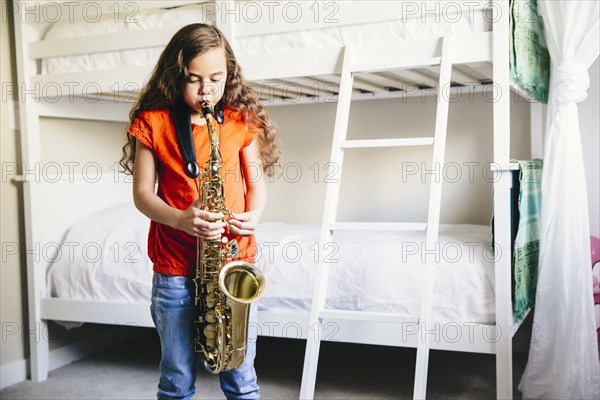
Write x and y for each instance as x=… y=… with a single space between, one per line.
x=165 y=89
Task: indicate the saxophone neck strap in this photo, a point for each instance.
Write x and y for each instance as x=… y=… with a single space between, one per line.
x=183 y=127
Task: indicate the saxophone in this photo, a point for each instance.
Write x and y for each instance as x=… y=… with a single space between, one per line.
x=224 y=288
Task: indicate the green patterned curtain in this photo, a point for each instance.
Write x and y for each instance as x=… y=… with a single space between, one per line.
x=529 y=57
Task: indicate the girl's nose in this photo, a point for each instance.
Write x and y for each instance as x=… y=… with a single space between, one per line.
x=206 y=88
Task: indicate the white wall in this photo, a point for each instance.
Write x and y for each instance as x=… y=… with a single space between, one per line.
x=372 y=180
x=590 y=139
x=89 y=145
x=12 y=271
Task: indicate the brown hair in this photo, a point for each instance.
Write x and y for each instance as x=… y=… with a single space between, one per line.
x=165 y=89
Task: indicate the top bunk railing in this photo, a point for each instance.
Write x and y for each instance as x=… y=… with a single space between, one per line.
x=252 y=18
x=286 y=17
x=301 y=70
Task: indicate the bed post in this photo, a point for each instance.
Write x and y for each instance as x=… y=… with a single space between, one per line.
x=36 y=331
x=502 y=184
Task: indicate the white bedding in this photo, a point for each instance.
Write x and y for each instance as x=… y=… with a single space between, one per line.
x=421 y=25
x=143 y=19
x=104 y=259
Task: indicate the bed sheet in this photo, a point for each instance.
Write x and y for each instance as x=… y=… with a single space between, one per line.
x=104 y=259
x=427 y=25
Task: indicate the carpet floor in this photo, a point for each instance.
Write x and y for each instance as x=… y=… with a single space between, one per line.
x=346 y=371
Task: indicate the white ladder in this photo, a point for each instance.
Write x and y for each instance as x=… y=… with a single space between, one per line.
x=340 y=142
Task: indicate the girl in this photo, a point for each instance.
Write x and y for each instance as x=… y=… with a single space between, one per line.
x=197 y=65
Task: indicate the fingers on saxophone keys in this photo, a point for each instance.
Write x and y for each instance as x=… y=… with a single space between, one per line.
x=209 y=230
x=200 y=223
x=242 y=226
x=208 y=235
x=211 y=238
x=207 y=215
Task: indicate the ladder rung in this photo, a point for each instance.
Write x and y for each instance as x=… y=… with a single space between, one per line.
x=367 y=316
x=379 y=226
x=369 y=143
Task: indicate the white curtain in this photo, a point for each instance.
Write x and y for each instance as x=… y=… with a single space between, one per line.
x=563 y=358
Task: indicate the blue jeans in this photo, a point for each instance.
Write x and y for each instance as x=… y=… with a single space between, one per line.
x=173 y=312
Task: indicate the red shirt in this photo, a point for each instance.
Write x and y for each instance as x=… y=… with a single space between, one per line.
x=173 y=251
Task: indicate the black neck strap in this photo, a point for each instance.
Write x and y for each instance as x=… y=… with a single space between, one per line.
x=183 y=127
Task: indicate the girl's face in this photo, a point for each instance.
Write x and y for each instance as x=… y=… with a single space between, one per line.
x=207 y=76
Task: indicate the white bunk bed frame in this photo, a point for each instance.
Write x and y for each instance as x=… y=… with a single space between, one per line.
x=71 y=199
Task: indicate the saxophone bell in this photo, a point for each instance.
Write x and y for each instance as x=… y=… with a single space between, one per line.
x=242 y=282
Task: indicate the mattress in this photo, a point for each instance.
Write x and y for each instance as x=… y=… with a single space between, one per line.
x=103 y=258
x=431 y=22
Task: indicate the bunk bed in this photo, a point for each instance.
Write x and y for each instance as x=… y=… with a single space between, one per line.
x=407 y=56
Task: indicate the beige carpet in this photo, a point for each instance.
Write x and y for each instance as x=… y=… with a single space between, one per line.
x=346 y=371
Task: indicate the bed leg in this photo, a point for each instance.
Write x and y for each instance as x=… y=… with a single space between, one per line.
x=503 y=271
x=504 y=370
x=39 y=348
x=502 y=185
x=504 y=377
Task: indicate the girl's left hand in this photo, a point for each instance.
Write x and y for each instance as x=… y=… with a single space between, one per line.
x=243 y=224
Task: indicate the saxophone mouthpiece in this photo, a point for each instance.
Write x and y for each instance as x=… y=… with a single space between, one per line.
x=206 y=109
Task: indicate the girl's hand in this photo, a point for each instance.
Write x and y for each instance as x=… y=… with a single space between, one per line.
x=243 y=224
x=202 y=224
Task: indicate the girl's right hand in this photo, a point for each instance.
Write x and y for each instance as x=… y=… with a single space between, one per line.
x=202 y=224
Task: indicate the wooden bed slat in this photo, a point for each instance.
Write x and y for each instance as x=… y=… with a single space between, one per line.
x=313 y=86
x=380 y=79
x=367 y=86
x=458 y=76
x=415 y=77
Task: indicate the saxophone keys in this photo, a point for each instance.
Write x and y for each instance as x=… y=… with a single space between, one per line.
x=232 y=249
x=210 y=332
x=212 y=287
x=210 y=316
x=211 y=300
